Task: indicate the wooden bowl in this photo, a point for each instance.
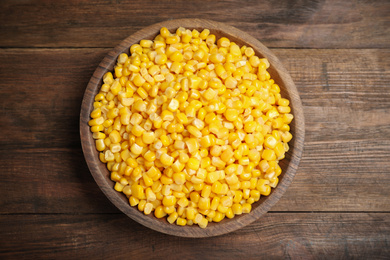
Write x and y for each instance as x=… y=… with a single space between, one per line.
x=289 y=164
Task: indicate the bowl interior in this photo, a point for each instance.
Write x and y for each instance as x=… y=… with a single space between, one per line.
x=289 y=164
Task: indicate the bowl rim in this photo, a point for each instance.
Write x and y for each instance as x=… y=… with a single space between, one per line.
x=99 y=171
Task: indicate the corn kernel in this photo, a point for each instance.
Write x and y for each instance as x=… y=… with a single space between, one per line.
x=166 y=159
x=169 y=200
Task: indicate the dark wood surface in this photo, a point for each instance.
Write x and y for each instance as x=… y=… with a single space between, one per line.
x=338 y=205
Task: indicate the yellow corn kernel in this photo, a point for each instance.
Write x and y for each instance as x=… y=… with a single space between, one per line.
x=206 y=191
x=137 y=172
x=150 y=156
x=193 y=164
x=226 y=201
x=206 y=141
x=192 y=144
x=100 y=145
x=268 y=155
x=96 y=121
x=210 y=94
x=203 y=223
x=132 y=162
x=148 y=137
x=182 y=118
x=166 y=160
x=183 y=202
x=172 y=217
x=270 y=142
x=148 y=208
x=176 y=67
x=237 y=209
x=173 y=105
x=212 y=177
x=279 y=150
x=159 y=212
x=263 y=187
x=231 y=114
x=194 y=131
x=216 y=187
x=169 y=200
x=255 y=194
x=286 y=137
x=210 y=39
x=165 y=140
x=216 y=58
x=217 y=162
x=285 y=128
x=164 y=32
x=118 y=187
x=205 y=162
x=150 y=195
x=181 y=221
x=166 y=180
x=229 y=213
x=237 y=196
x=179 y=178
x=215 y=203
x=137 y=130
x=246 y=208
x=177 y=166
x=231 y=179
x=139 y=105
x=176 y=56
x=147 y=180
x=138 y=80
x=96 y=132
x=203 y=35
x=153 y=171
x=194 y=196
x=115 y=137
x=137 y=191
x=97 y=112
x=161 y=59
x=218 y=217
x=169 y=209
x=133 y=201
x=136 y=149
x=190 y=213
x=274 y=183
x=254 y=155
x=183 y=158
x=204 y=203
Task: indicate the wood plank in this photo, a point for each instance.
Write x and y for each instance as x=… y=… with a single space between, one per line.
x=47 y=98
x=304 y=24
x=58 y=181
x=336 y=86
x=346 y=100
x=344 y=166
x=49 y=181
x=276 y=235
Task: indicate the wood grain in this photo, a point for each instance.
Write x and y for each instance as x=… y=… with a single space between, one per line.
x=50 y=206
x=275 y=236
x=298 y=23
x=344 y=166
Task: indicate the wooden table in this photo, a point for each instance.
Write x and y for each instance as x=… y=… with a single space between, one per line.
x=339 y=203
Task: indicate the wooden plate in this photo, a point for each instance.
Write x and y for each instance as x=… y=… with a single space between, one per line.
x=289 y=164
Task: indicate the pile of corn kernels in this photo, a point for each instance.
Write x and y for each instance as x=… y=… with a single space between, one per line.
x=191 y=127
